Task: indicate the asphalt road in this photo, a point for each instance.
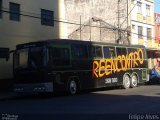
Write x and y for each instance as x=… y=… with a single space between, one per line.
x=132 y=103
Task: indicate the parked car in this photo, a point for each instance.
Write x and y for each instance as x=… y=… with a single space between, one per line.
x=154 y=75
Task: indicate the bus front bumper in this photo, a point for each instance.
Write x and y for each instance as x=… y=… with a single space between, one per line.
x=31 y=88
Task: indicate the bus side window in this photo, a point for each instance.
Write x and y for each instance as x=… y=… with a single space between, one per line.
x=96 y=51
x=136 y=50
x=79 y=51
x=121 y=51
x=109 y=52
x=60 y=56
x=132 y=50
x=144 y=54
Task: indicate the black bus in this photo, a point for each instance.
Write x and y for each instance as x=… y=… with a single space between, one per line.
x=73 y=65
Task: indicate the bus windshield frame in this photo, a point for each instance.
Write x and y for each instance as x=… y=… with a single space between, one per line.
x=35 y=58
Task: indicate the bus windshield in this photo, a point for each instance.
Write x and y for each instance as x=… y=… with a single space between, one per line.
x=30 y=58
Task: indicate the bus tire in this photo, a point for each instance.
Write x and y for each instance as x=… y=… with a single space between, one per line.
x=126 y=81
x=134 y=80
x=72 y=87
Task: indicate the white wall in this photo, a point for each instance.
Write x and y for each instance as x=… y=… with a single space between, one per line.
x=29 y=29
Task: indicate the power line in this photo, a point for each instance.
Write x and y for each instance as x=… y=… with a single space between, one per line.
x=55 y=20
x=73 y=23
x=128 y=14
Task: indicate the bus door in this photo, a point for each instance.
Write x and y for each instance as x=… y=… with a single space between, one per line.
x=59 y=64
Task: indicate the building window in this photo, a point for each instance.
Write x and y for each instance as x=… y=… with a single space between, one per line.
x=133 y=26
x=0 y=8
x=132 y=1
x=159 y=31
x=139 y=4
x=140 y=31
x=149 y=32
x=47 y=17
x=14 y=12
x=158 y=19
x=148 y=10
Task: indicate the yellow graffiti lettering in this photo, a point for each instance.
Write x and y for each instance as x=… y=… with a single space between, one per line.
x=118 y=65
x=108 y=67
x=105 y=67
x=123 y=65
x=140 y=53
x=129 y=63
x=135 y=59
x=113 y=65
x=101 y=67
x=95 y=68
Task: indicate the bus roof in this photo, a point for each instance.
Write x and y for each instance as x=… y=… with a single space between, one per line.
x=69 y=41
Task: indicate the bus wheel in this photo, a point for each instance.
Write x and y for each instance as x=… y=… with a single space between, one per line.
x=72 y=87
x=134 y=81
x=126 y=81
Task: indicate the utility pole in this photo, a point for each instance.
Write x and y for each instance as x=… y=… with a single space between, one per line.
x=128 y=23
x=80 y=28
x=119 y=32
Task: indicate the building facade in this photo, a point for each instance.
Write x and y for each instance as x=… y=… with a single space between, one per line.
x=157 y=39
x=157 y=29
x=27 y=21
x=98 y=19
x=24 y=21
x=142 y=22
x=94 y=20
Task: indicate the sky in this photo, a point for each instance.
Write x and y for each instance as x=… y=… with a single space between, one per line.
x=157 y=6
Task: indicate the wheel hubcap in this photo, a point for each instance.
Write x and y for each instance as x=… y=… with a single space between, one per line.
x=127 y=81
x=134 y=81
x=73 y=87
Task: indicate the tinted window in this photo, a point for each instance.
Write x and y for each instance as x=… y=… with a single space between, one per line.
x=14 y=12
x=132 y=50
x=79 y=51
x=96 y=51
x=108 y=52
x=121 y=51
x=36 y=57
x=23 y=58
x=60 y=56
x=30 y=58
x=141 y=52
